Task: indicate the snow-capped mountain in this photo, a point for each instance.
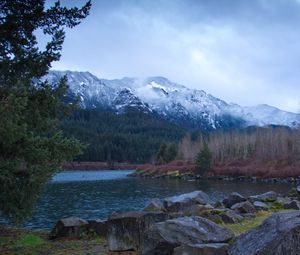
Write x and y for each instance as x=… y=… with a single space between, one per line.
x=171 y=101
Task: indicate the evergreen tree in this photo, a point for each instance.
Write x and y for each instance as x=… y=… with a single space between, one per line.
x=32 y=148
x=166 y=153
x=204 y=160
x=160 y=156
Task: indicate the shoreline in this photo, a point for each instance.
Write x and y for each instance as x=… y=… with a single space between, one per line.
x=239 y=171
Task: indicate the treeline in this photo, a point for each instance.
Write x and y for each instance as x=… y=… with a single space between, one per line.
x=133 y=137
x=264 y=144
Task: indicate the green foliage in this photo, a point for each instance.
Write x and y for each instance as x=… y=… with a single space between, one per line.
x=166 y=153
x=29 y=240
x=277 y=206
x=32 y=147
x=204 y=160
x=293 y=192
x=133 y=136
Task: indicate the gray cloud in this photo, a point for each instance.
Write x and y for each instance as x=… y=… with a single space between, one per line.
x=242 y=51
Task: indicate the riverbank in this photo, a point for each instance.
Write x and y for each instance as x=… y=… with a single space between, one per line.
x=275 y=171
x=189 y=223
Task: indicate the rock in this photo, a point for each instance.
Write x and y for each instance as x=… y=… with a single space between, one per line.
x=294 y=204
x=230 y=217
x=69 y=227
x=124 y=230
x=277 y=235
x=196 y=210
x=298 y=189
x=155 y=205
x=260 y=205
x=177 y=203
x=270 y=196
x=202 y=249
x=244 y=207
x=98 y=226
x=232 y=199
x=176 y=215
x=163 y=237
x=283 y=200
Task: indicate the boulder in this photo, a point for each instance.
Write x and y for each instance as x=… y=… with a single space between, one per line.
x=243 y=207
x=125 y=230
x=98 y=226
x=196 y=209
x=155 y=205
x=270 y=196
x=260 y=205
x=69 y=227
x=178 y=203
x=294 y=204
x=277 y=235
x=163 y=237
x=298 y=189
x=232 y=199
x=284 y=200
x=230 y=217
x=202 y=249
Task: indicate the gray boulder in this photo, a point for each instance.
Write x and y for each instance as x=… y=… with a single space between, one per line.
x=202 y=249
x=155 y=205
x=196 y=209
x=244 y=207
x=230 y=217
x=260 y=205
x=294 y=204
x=284 y=200
x=69 y=227
x=163 y=237
x=178 y=203
x=278 y=235
x=125 y=230
x=270 y=196
x=232 y=199
x=98 y=226
x=298 y=189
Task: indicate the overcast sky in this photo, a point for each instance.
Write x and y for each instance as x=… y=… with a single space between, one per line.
x=242 y=51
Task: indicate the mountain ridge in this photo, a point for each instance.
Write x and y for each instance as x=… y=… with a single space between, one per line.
x=172 y=101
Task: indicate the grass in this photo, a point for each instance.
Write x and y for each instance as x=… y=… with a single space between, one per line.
x=248 y=224
x=35 y=243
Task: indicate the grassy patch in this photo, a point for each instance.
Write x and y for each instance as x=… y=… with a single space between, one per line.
x=29 y=240
x=36 y=244
x=247 y=224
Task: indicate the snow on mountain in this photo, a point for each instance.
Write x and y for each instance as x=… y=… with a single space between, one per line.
x=172 y=101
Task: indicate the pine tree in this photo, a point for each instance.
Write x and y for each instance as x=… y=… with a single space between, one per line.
x=32 y=147
x=204 y=160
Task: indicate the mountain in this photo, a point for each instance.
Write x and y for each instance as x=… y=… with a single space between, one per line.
x=171 y=101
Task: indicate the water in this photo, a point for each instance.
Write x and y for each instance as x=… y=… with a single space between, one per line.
x=96 y=194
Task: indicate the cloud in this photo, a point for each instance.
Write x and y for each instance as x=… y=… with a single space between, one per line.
x=238 y=50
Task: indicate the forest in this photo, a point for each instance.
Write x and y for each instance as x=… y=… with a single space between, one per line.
x=132 y=137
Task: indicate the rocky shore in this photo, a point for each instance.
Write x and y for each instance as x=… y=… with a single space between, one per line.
x=193 y=224
x=192 y=175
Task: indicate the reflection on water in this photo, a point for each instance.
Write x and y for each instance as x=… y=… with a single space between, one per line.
x=96 y=194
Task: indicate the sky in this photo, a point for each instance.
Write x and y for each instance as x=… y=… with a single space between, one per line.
x=241 y=51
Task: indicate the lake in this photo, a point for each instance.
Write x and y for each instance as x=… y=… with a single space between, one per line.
x=96 y=194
